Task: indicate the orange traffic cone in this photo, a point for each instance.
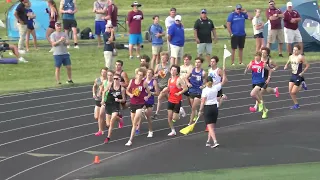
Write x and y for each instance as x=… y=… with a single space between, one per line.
x=96 y=160
x=8 y=1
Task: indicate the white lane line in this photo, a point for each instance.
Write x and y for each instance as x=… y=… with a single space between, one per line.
x=284 y=75
x=59 y=89
x=51 y=112
x=165 y=140
x=81 y=150
x=49 y=97
x=304 y=148
x=45 y=105
x=42 y=91
x=43 y=155
x=100 y=152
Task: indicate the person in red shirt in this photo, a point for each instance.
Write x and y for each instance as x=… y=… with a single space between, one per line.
x=291 y=30
x=134 y=21
x=176 y=87
x=139 y=93
x=275 y=16
x=112 y=14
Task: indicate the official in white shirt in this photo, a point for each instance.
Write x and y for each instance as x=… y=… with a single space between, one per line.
x=168 y=22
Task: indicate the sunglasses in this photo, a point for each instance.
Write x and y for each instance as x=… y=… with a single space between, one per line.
x=239 y=9
x=115 y=78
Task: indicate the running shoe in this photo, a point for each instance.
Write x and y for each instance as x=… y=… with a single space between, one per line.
x=172 y=133
x=173 y=120
x=296 y=106
x=277 y=92
x=265 y=114
x=129 y=143
x=215 y=145
x=304 y=85
x=99 y=133
x=260 y=107
x=69 y=82
x=155 y=116
x=208 y=144
x=182 y=112
x=150 y=134
x=252 y=109
x=106 y=140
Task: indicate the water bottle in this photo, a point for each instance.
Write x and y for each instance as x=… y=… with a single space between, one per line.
x=90 y=35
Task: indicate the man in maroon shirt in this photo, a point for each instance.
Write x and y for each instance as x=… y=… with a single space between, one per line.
x=134 y=21
x=112 y=14
x=274 y=16
x=291 y=31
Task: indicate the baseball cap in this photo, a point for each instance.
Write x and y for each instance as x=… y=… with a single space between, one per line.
x=135 y=3
x=178 y=17
x=238 y=6
x=289 y=4
x=203 y=11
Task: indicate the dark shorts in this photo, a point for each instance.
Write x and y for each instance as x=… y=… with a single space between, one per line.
x=296 y=79
x=261 y=85
x=135 y=107
x=52 y=25
x=62 y=59
x=192 y=96
x=112 y=108
x=186 y=93
x=69 y=23
x=174 y=107
x=260 y=35
x=30 y=27
x=219 y=93
x=100 y=27
x=238 y=42
x=98 y=103
x=149 y=105
x=210 y=114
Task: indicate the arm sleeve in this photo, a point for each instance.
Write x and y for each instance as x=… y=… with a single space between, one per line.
x=170 y=31
x=153 y=29
x=196 y=25
x=229 y=19
x=286 y=17
x=246 y=16
x=52 y=38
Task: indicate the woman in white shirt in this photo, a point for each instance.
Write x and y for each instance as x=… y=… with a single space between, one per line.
x=209 y=106
x=258 y=29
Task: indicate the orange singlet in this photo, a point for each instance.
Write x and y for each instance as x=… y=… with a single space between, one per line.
x=172 y=90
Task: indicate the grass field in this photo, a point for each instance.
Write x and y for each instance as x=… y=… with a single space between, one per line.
x=308 y=171
x=86 y=62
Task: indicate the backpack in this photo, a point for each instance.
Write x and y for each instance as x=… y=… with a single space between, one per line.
x=85 y=33
x=149 y=34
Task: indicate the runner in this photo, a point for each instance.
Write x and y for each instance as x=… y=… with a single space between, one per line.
x=185 y=70
x=216 y=74
x=162 y=75
x=271 y=64
x=176 y=87
x=257 y=67
x=116 y=95
x=297 y=61
x=96 y=93
x=139 y=93
x=209 y=106
x=124 y=81
x=195 y=82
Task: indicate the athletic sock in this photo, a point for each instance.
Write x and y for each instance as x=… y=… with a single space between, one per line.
x=274 y=90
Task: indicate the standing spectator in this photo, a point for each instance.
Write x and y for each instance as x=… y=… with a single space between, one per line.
x=157 y=41
x=109 y=39
x=22 y=19
x=100 y=9
x=53 y=18
x=258 y=29
x=68 y=8
x=236 y=27
x=274 y=16
x=60 y=41
x=30 y=27
x=176 y=39
x=291 y=31
x=168 y=22
x=134 y=19
x=204 y=32
x=112 y=15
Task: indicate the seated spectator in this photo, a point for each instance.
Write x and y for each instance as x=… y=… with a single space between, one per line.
x=4 y=46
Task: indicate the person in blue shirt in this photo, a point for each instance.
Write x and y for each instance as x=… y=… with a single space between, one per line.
x=157 y=41
x=236 y=28
x=30 y=27
x=176 y=39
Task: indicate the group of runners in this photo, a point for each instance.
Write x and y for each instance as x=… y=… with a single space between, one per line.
x=114 y=92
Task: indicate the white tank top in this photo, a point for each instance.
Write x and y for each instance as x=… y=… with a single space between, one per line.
x=215 y=76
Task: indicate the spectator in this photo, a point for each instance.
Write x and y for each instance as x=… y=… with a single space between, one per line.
x=291 y=31
x=236 y=28
x=60 y=41
x=134 y=19
x=30 y=27
x=145 y=60
x=168 y=22
x=112 y=15
x=100 y=9
x=14 y=49
x=258 y=29
x=274 y=16
x=109 y=39
x=53 y=18
x=176 y=39
x=22 y=19
x=68 y=8
x=204 y=32
x=157 y=42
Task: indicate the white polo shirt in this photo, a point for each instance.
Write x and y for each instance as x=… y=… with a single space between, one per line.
x=168 y=22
